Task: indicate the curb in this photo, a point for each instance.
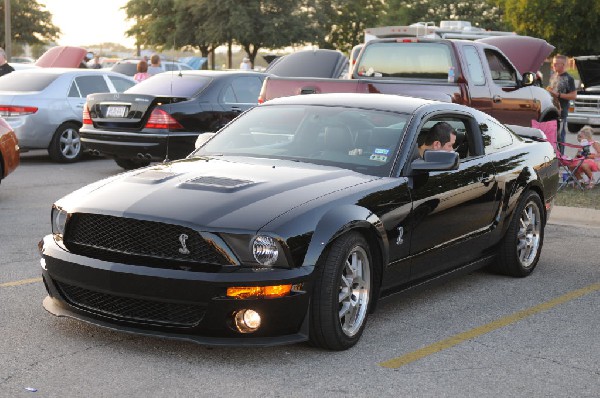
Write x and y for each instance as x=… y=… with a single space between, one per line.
x=575 y=216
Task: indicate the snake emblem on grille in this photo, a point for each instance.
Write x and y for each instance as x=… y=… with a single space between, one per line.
x=183 y=249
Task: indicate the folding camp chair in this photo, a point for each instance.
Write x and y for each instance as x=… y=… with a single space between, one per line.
x=568 y=166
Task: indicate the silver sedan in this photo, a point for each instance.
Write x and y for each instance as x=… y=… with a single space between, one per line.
x=44 y=106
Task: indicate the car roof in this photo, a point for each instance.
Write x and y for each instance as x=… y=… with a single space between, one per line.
x=395 y=103
x=67 y=71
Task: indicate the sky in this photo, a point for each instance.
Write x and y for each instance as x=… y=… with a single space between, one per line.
x=86 y=22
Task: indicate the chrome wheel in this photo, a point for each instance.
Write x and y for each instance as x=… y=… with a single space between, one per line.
x=354 y=291
x=70 y=144
x=529 y=234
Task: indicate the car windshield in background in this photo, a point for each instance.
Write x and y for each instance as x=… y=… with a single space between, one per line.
x=26 y=81
x=408 y=60
x=362 y=140
x=173 y=85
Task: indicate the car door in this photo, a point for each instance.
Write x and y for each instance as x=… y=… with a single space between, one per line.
x=511 y=102
x=241 y=94
x=453 y=211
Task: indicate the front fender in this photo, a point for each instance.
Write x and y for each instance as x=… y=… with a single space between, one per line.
x=339 y=220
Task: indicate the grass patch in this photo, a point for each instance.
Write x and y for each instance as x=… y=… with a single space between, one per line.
x=573 y=197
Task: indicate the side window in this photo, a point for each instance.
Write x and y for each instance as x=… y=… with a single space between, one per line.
x=120 y=83
x=229 y=96
x=464 y=141
x=502 y=72
x=91 y=84
x=474 y=65
x=246 y=89
x=495 y=137
x=74 y=91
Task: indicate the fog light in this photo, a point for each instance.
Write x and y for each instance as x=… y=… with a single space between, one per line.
x=247 y=321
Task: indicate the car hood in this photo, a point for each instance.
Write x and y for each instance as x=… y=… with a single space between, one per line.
x=213 y=193
x=589 y=70
x=62 y=57
x=525 y=52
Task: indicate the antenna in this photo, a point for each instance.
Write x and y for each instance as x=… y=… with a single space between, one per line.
x=170 y=101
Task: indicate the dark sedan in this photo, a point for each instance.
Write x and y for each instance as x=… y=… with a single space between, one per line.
x=292 y=222
x=161 y=117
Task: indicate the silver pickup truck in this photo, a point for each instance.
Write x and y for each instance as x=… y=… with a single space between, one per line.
x=585 y=110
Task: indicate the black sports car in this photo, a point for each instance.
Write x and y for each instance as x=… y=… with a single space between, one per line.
x=292 y=222
x=161 y=117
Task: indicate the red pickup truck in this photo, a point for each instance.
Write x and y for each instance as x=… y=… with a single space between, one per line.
x=472 y=73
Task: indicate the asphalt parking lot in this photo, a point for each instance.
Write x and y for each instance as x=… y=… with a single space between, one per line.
x=479 y=335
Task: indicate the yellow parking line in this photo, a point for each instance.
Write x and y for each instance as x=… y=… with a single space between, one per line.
x=497 y=324
x=21 y=282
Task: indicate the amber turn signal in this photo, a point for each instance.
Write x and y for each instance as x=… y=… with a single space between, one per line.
x=243 y=292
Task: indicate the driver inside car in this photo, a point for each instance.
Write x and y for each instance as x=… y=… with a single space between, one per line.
x=441 y=137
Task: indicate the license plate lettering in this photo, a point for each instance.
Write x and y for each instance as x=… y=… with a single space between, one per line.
x=116 y=111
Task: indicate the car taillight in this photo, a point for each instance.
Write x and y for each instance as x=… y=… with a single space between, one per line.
x=160 y=119
x=86 y=115
x=11 y=110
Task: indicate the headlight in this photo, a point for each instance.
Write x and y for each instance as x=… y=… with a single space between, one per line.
x=265 y=250
x=59 y=220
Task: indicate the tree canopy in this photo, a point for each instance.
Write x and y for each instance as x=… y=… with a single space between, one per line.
x=569 y=25
x=30 y=23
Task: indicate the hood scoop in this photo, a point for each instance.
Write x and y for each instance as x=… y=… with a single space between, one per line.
x=216 y=183
x=152 y=176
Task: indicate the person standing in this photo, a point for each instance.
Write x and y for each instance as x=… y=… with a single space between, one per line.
x=154 y=67
x=562 y=87
x=245 y=64
x=142 y=72
x=5 y=68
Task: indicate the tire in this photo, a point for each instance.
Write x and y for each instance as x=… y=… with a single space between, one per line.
x=521 y=246
x=65 y=146
x=573 y=127
x=342 y=293
x=130 y=164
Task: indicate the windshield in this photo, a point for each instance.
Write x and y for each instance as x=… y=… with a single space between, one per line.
x=362 y=140
x=420 y=60
x=25 y=81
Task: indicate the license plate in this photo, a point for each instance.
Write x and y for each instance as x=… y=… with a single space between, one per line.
x=116 y=111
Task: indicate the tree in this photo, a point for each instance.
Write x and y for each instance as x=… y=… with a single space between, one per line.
x=155 y=22
x=30 y=23
x=570 y=26
x=486 y=14
x=340 y=24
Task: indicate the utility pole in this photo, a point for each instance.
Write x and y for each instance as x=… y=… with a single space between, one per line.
x=7 y=33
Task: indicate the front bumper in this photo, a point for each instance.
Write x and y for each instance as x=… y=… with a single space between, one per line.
x=584 y=118
x=169 y=303
x=153 y=146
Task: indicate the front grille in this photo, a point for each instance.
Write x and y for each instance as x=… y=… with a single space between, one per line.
x=132 y=241
x=131 y=309
x=587 y=104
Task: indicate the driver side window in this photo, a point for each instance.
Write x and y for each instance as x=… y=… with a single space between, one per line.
x=502 y=72
x=463 y=144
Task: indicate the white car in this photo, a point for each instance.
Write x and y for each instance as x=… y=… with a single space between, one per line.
x=44 y=106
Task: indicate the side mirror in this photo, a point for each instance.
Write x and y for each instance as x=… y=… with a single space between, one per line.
x=437 y=161
x=202 y=139
x=528 y=79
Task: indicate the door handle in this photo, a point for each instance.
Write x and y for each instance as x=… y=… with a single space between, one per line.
x=496 y=98
x=235 y=109
x=487 y=179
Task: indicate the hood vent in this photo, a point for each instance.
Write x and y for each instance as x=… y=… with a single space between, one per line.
x=152 y=176
x=216 y=183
